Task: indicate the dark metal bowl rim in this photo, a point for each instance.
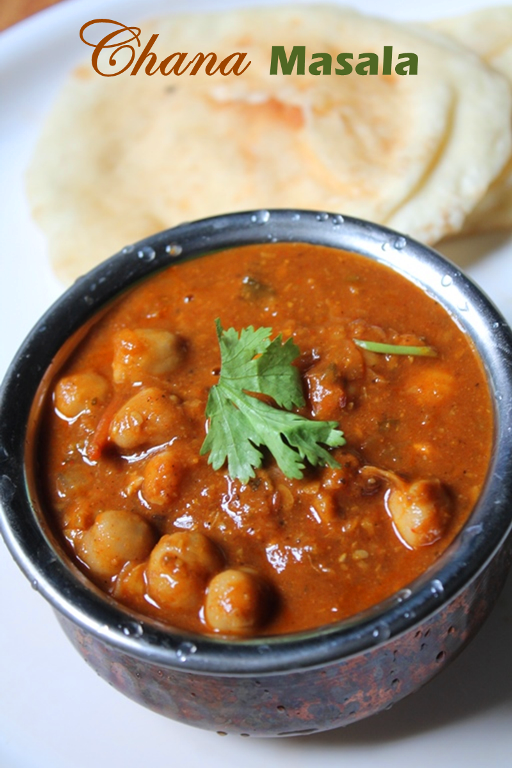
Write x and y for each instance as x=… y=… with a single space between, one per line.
x=61 y=584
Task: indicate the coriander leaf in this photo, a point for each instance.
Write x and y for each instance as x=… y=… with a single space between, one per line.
x=223 y=438
x=253 y=363
x=239 y=422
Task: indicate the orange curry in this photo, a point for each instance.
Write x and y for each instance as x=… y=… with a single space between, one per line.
x=150 y=521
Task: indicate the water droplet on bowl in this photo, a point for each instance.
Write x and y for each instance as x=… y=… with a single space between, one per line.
x=400 y=243
x=469 y=533
x=437 y=588
x=296 y=217
x=174 y=249
x=128 y=249
x=446 y=280
x=322 y=217
x=402 y=595
x=338 y=219
x=185 y=650
x=146 y=253
x=133 y=629
x=35 y=584
x=261 y=217
x=381 y=632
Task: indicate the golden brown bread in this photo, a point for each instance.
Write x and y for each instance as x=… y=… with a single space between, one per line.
x=488 y=32
x=122 y=157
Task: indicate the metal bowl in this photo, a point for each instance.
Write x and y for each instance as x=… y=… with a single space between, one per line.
x=291 y=684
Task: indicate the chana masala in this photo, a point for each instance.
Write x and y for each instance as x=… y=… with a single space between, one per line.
x=176 y=502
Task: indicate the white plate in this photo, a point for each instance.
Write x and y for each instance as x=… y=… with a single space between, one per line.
x=54 y=712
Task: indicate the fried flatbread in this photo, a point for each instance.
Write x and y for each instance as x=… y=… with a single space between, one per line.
x=488 y=32
x=122 y=157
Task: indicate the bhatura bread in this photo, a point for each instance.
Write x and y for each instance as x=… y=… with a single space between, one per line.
x=488 y=32
x=122 y=157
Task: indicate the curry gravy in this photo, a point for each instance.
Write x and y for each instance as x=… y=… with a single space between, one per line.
x=148 y=519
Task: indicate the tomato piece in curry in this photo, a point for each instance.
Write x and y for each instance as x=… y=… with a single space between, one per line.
x=149 y=520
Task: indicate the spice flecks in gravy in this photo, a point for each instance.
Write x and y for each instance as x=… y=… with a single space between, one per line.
x=150 y=521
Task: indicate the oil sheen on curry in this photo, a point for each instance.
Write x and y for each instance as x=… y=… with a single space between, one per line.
x=163 y=438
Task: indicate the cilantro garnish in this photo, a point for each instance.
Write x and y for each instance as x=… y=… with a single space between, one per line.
x=240 y=423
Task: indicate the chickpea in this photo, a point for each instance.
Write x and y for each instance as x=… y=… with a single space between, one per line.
x=77 y=518
x=130 y=585
x=349 y=358
x=419 y=510
x=236 y=602
x=179 y=569
x=162 y=476
x=337 y=478
x=150 y=417
x=145 y=351
x=432 y=385
x=115 y=538
x=325 y=391
x=74 y=481
x=75 y=394
x=324 y=507
x=324 y=503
